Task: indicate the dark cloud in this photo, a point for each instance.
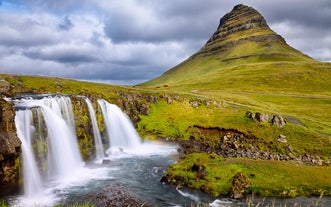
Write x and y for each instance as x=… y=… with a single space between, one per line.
x=137 y=39
x=164 y=21
x=68 y=56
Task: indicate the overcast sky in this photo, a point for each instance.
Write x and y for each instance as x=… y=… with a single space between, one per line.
x=130 y=41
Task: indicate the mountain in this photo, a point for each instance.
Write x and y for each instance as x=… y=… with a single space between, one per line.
x=241 y=51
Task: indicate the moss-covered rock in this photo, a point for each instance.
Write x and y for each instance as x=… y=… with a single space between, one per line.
x=9 y=147
x=84 y=128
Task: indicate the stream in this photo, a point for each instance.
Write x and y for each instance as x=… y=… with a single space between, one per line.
x=54 y=172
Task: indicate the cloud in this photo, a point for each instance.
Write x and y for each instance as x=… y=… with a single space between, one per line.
x=127 y=41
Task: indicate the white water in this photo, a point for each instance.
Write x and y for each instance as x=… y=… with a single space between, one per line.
x=31 y=176
x=66 y=175
x=63 y=156
x=121 y=133
x=100 y=154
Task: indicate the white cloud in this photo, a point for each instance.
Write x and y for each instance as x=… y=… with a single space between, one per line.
x=137 y=39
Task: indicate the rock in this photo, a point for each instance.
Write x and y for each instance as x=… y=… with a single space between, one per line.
x=225 y=139
x=278 y=120
x=197 y=166
x=113 y=195
x=165 y=179
x=10 y=145
x=262 y=117
x=194 y=104
x=201 y=175
x=282 y=138
x=240 y=184
x=151 y=99
x=250 y=115
x=4 y=86
x=169 y=100
x=290 y=148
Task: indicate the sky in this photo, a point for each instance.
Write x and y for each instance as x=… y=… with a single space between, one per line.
x=132 y=41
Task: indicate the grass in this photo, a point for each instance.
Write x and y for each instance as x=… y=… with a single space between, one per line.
x=267 y=178
x=175 y=121
x=76 y=205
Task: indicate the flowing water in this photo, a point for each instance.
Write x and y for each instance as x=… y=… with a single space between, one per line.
x=121 y=133
x=53 y=171
x=100 y=152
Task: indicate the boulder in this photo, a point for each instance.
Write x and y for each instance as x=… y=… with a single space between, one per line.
x=282 y=138
x=262 y=117
x=278 y=120
x=194 y=104
x=250 y=115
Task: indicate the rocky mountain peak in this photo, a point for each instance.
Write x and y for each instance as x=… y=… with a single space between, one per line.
x=241 y=18
x=239 y=26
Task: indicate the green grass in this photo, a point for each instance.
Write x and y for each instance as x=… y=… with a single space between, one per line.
x=176 y=120
x=267 y=178
x=76 y=205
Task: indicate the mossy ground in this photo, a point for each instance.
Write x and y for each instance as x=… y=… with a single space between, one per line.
x=267 y=178
x=175 y=121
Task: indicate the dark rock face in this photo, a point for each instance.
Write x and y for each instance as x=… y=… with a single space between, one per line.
x=240 y=25
x=241 y=18
x=9 y=146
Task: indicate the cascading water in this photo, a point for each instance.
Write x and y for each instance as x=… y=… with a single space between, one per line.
x=121 y=133
x=31 y=176
x=100 y=155
x=63 y=157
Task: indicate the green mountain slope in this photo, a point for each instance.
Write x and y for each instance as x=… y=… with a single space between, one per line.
x=244 y=54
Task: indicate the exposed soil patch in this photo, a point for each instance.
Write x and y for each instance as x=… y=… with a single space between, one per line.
x=233 y=143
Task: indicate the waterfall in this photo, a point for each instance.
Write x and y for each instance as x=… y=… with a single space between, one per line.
x=97 y=137
x=121 y=133
x=31 y=176
x=63 y=157
x=50 y=153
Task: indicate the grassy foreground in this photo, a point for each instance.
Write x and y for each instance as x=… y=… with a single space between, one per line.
x=225 y=109
x=265 y=177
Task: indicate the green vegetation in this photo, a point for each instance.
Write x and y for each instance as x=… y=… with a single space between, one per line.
x=177 y=119
x=266 y=178
x=240 y=69
x=3 y=203
x=76 y=205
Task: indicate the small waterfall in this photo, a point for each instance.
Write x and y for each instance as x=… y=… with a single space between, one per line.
x=121 y=133
x=63 y=156
x=97 y=137
x=31 y=176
